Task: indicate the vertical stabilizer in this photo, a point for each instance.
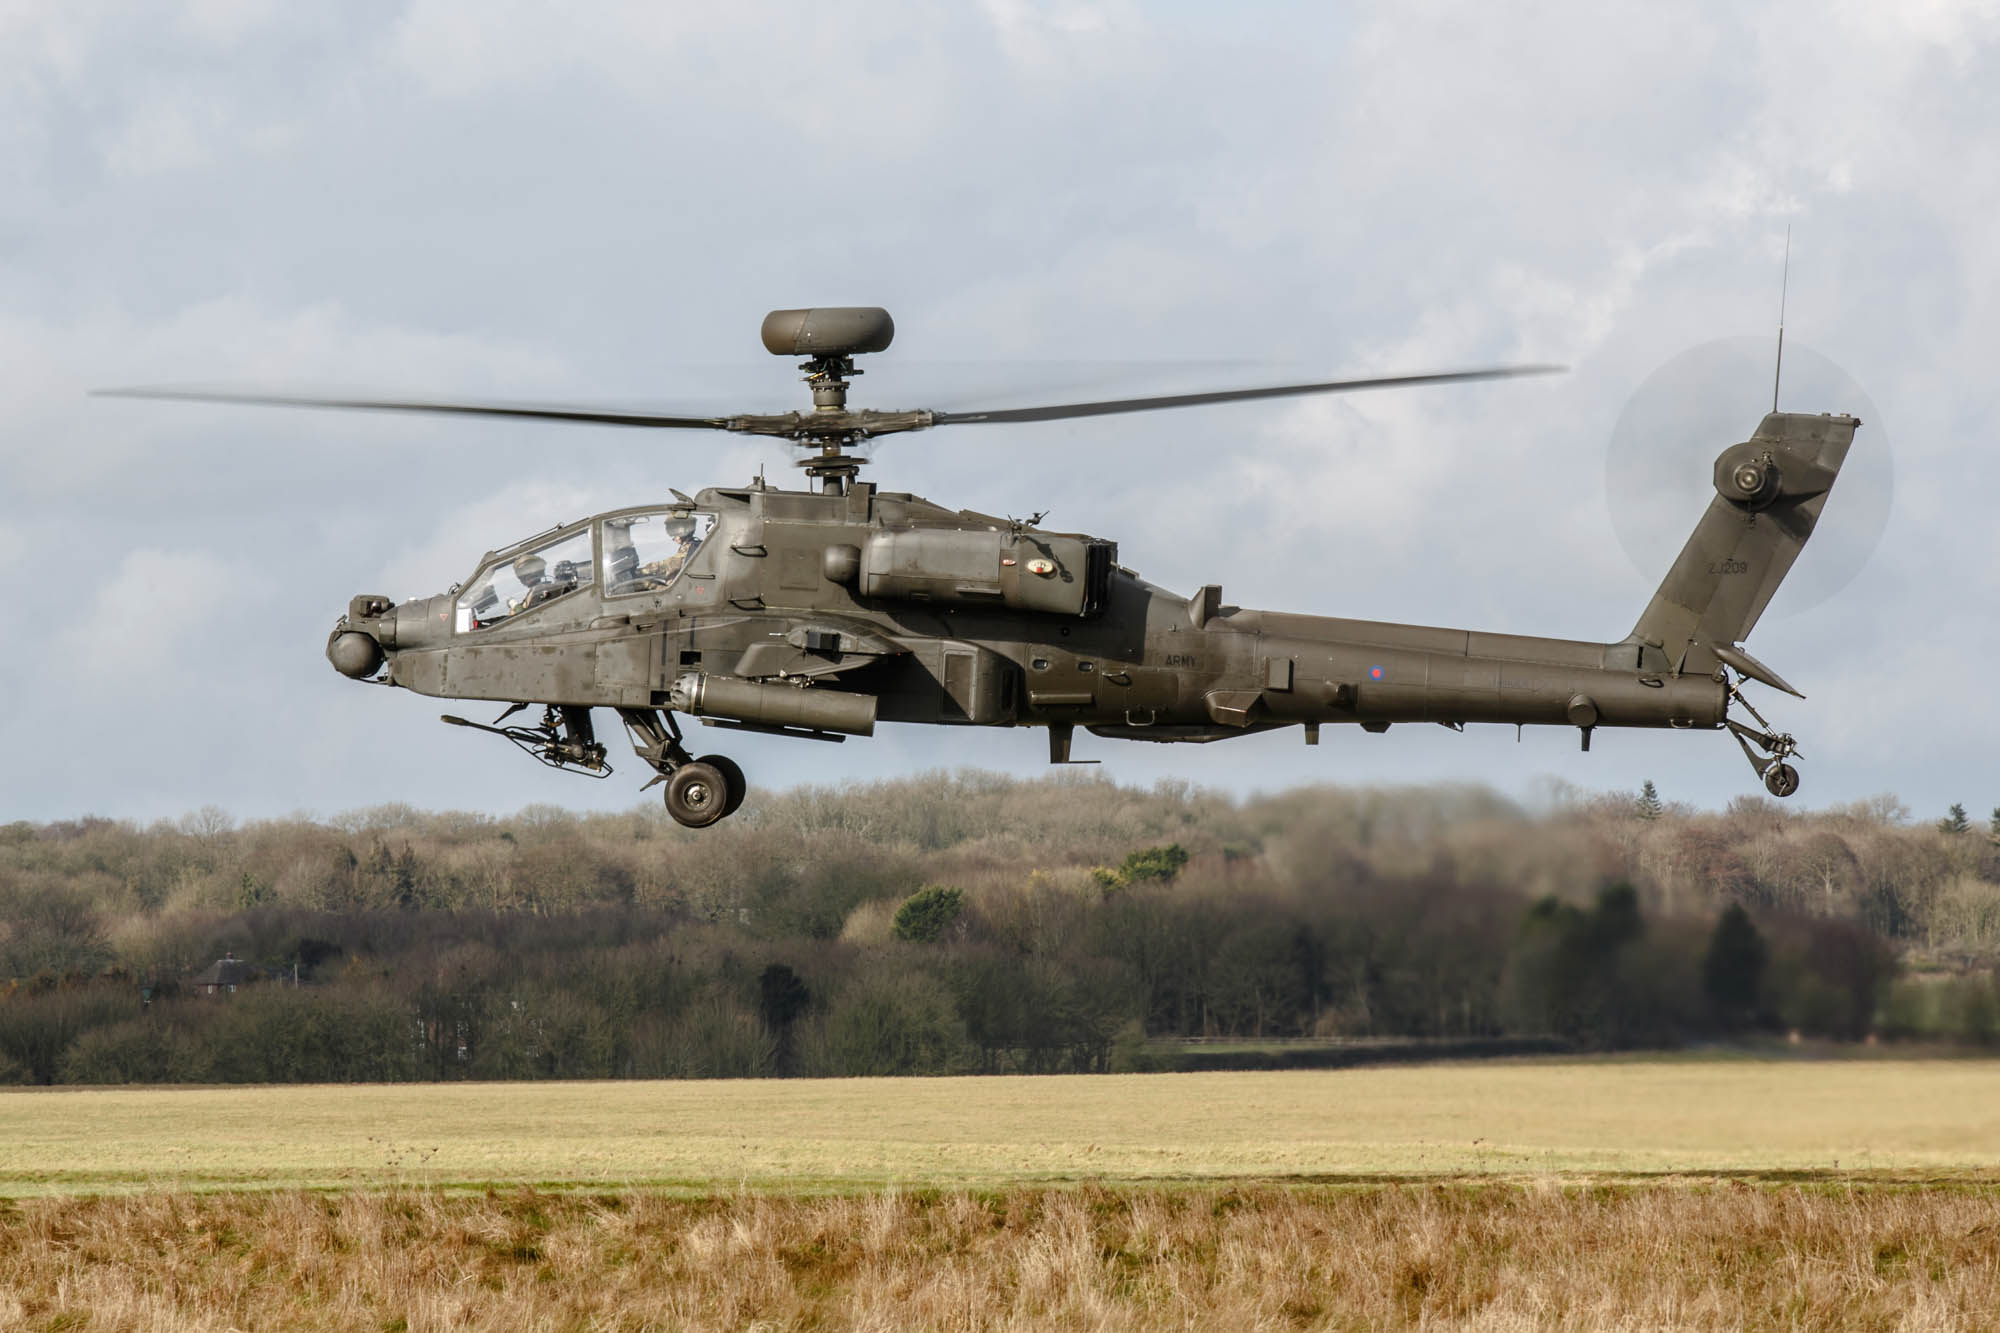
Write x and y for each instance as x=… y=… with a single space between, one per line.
x=1769 y=493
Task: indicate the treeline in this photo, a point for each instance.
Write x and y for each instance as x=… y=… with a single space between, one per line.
x=973 y=923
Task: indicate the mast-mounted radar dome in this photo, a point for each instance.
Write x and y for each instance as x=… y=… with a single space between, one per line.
x=837 y=330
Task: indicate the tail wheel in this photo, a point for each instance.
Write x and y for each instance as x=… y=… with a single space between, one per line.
x=697 y=794
x=1781 y=779
x=733 y=780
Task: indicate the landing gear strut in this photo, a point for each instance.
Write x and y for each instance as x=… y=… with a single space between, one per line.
x=1780 y=778
x=699 y=791
x=564 y=740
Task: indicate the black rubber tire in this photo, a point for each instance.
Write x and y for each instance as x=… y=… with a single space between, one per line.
x=732 y=777
x=697 y=795
x=1781 y=781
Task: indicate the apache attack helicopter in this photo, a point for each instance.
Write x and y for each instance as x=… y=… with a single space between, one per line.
x=819 y=613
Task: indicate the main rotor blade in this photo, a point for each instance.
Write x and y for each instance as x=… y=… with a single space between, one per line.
x=531 y=411
x=1116 y=405
x=810 y=426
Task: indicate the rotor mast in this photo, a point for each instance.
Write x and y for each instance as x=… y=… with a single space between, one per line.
x=832 y=430
x=830 y=337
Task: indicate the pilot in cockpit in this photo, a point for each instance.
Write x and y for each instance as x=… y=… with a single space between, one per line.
x=659 y=573
x=532 y=571
x=683 y=548
x=646 y=553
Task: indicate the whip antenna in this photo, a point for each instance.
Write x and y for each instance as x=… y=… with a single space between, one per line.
x=1784 y=284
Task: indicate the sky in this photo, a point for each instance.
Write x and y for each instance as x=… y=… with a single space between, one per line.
x=598 y=202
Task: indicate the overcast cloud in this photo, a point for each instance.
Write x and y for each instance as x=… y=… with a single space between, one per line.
x=599 y=202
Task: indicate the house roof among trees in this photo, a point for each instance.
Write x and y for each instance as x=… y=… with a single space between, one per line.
x=229 y=970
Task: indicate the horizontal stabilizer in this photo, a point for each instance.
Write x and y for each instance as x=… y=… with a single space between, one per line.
x=1749 y=666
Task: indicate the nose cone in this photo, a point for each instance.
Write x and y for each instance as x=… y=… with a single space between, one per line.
x=424 y=623
x=354 y=654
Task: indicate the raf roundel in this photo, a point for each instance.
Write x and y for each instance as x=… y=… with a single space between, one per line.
x=1375 y=673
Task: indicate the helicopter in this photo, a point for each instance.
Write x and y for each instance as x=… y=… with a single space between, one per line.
x=820 y=612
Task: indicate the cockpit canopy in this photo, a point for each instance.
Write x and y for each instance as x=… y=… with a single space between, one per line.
x=524 y=580
x=639 y=553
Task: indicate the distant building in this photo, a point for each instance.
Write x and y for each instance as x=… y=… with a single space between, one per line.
x=224 y=976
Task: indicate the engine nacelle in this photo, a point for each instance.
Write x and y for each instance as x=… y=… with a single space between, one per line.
x=1021 y=571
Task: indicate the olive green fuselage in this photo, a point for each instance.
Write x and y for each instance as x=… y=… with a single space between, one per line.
x=930 y=614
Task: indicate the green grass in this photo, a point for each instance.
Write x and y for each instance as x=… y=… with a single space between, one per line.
x=1579 y=1118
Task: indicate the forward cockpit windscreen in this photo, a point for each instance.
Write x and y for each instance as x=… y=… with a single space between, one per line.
x=525 y=581
x=645 y=552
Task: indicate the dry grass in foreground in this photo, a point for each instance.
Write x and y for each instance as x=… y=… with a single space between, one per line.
x=1500 y=1257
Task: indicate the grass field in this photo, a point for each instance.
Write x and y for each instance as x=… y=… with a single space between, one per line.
x=1574 y=1194
x=1089 y=1257
x=1598 y=1119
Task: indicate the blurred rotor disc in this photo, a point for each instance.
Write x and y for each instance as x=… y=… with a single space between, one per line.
x=1658 y=470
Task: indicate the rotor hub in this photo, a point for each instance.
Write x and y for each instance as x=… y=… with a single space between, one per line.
x=830 y=337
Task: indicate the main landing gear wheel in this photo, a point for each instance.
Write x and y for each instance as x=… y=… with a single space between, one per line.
x=1780 y=778
x=697 y=794
x=732 y=778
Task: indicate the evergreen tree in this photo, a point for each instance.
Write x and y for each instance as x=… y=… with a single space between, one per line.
x=1954 y=820
x=1617 y=921
x=1567 y=973
x=928 y=913
x=1160 y=863
x=251 y=893
x=1993 y=825
x=1732 y=971
x=1649 y=806
x=782 y=997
